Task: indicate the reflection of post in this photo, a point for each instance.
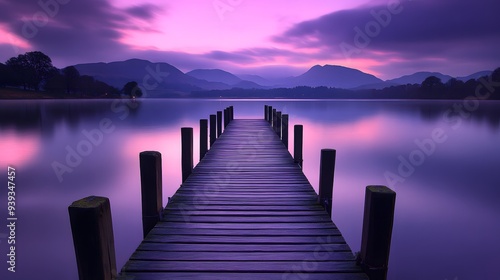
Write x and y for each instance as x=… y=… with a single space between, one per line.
x=297 y=145
x=278 y=124
x=270 y=114
x=151 y=189
x=326 y=174
x=266 y=108
x=284 y=130
x=377 y=231
x=213 y=129
x=203 y=138
x=219 y=123
x=92 y=230
x=187 y=152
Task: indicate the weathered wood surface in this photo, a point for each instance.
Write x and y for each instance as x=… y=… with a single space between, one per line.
x=246 y=212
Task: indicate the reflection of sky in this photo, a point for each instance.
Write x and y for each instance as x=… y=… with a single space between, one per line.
x=445 y=213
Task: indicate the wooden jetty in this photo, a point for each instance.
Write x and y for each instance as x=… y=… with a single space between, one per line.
x=247 y=211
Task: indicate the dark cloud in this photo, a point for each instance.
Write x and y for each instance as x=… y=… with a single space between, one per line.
x=77 y=31
x=145 y=11
x=425 y=30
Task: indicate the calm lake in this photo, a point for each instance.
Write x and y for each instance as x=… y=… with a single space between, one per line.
x=443 y=162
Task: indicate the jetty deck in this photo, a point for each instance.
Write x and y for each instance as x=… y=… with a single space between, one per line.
x=247 y=211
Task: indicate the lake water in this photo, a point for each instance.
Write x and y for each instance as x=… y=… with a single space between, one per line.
x=447 y=222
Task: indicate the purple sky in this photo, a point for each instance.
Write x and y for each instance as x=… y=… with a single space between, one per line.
x=274 y=37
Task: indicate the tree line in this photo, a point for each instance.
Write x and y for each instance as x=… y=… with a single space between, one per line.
x=34 y=71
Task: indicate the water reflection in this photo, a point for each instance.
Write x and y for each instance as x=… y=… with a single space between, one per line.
x=445 y=213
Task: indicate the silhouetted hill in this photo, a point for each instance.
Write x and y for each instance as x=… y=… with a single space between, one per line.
x=418 y=78
x=475 y=76
x=214 y=75
x=152 y=76
x=333 y=76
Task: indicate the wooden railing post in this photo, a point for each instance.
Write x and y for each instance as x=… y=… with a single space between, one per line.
x=278 y=124
x=213 y=129
x=92 y=230
x=219 y=123
x=377 y=231
x=203 y=138
x=266 y=117
x=297 y=145
x=275 y=120
x=226 y=117
x=151 y=189
x=326 y=174
x=284 y=130
x=270 y=114
x=187 y=152
x=231 y=113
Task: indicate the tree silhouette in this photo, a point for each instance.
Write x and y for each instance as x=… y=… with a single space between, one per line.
x=431 y=83
x=4 y=72
x=132 y=89
x=71 y=77
x=495 y=76
x=30 y=69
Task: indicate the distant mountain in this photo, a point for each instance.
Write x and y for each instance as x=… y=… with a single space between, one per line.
x=332 y=76
x=475 y=76
x=257 y=79
x=418 y=78
x=214 y=75
x=248 y=85
x=152 y=76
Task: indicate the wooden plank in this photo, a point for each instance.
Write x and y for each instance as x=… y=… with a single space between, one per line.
x=296 y=274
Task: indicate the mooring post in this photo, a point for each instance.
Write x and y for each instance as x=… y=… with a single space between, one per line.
x=284 y=130
x=297 y=144
x=265 y=113
x=187 y=152
x=213 y=129
x=278 y=124
x=226 y=117
x=270 y=114
x=326 y=174
x=231 y=113
x=203 y=138
x=151 y=189
x=92 y=230
x=219 y=123
x=275 y=120
x=377 y=231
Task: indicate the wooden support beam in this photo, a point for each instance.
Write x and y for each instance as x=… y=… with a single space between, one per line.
x=187 y=152
x=326 y=175
x=151 y=189
x=377 y=231
x=92 y=230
